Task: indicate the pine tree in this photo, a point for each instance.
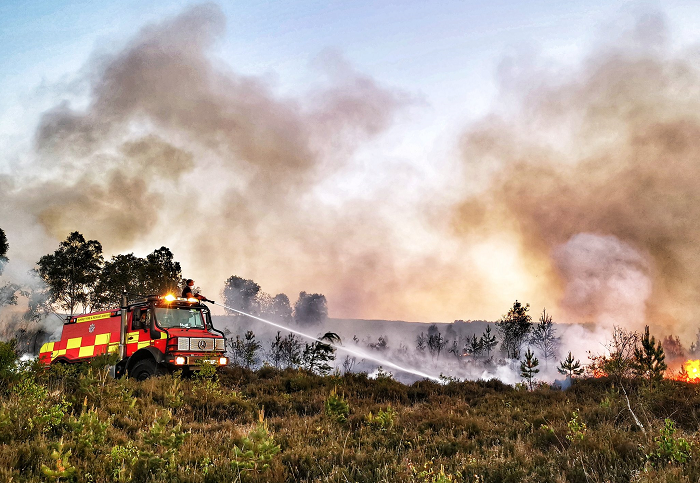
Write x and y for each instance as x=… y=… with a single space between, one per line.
x=528 y=367
x=317 y=355
x=274 y=355
x=649 y=358
x=569 y=367
x=475 y=347
x=514 y=328
x=488 y=341
x=436 y=342
x=421 y=343
x=250 y=350
x=290 y=348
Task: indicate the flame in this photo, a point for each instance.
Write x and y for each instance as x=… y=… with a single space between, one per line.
x=597 y=372
x=690 y=372
x=170 y=297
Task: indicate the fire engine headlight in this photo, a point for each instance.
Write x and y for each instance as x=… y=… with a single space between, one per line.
x=179 y=361
x=223 y=361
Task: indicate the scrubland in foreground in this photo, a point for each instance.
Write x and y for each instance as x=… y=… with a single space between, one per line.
x=72 y=423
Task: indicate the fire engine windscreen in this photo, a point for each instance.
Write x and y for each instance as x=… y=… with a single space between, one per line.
x=169 y=318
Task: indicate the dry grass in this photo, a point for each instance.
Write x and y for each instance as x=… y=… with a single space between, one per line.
x=72 y=424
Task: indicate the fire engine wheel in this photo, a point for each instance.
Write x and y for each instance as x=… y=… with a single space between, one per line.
x=144 y=369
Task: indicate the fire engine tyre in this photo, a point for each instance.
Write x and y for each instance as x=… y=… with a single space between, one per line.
x=146 y=368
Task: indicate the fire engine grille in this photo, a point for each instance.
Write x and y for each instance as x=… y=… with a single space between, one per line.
x=183 y=344
x=200 y=344
x=197 y=344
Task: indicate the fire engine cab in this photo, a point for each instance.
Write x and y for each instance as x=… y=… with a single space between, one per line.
x=154 y=335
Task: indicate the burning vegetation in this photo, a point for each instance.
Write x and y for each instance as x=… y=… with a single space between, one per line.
x=689 y=372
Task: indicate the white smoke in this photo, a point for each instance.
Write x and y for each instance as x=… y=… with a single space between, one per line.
x=606 y=280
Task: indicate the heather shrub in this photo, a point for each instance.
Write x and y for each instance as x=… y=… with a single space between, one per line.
x=70 y=423
x=8 y=360
x=31 y=411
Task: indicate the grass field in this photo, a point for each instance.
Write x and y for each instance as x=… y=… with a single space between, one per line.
x=73 y=423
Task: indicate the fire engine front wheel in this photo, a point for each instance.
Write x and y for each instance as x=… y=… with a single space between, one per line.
x=146 y=368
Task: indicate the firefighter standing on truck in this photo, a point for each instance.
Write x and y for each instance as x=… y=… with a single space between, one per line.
x=187 y=291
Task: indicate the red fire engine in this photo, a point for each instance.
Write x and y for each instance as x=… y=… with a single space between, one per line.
x=154 y=335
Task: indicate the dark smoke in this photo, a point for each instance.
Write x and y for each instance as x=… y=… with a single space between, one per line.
x=170 y=132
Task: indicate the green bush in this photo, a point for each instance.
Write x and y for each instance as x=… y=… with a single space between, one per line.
x=383 y=420
x=669 y=448
x=61 y=468
x=256 y=450
x=337 y=407
x=8 y=361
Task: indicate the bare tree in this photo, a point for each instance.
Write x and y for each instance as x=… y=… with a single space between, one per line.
x=543 y=337
x=619 y=361
x=349 y=363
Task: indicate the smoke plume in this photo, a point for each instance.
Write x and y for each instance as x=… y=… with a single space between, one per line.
x=174 y=147
x=579 y=189
x=596 y=172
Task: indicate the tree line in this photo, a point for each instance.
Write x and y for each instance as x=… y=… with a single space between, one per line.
x=246 y=295
x=77 y=279
x=514 y=331
x=283 y=352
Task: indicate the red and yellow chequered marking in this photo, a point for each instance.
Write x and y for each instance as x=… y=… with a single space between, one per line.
x=80 y=347
x=138 y=339
x=86 y=346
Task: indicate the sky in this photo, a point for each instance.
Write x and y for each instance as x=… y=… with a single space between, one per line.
x=364 y=150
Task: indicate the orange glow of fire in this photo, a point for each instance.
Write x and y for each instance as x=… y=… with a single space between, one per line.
x=690 y=372
x=597 y=372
